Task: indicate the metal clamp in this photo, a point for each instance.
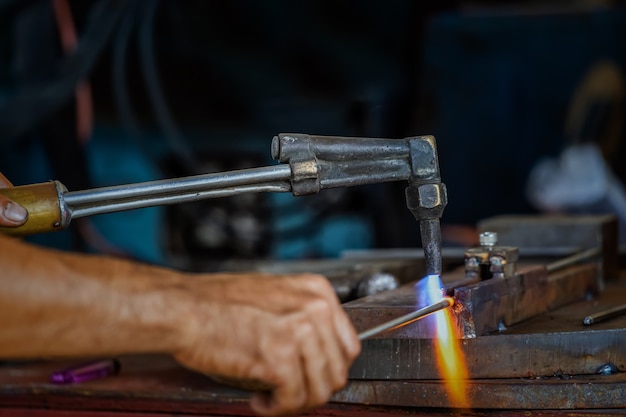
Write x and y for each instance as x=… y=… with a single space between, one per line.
x=490 y=261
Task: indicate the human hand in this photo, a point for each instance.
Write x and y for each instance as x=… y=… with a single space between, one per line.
x=11 y=213
x=288 y=332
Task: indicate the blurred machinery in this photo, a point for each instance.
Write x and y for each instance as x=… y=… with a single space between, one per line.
x=200 y=236
x=217 y=77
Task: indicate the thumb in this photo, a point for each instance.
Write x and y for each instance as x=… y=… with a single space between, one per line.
x=11 y=213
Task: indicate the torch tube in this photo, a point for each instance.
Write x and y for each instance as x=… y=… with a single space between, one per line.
x=430 y=230
x=146 y=194
x=407 y=318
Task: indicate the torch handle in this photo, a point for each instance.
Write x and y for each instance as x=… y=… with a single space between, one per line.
x=44 y=203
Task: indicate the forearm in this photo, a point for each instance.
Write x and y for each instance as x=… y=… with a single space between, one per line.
x=288 y=332
x=60 y=304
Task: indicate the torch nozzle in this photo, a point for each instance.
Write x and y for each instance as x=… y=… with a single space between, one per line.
x=407 y=318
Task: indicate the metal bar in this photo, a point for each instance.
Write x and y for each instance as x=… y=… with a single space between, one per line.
x=407 y=318
x=574 y=259
x=177 y=190
x=604 y=315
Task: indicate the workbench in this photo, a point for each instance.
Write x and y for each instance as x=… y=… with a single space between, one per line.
x=150 y=386
x=156 y=385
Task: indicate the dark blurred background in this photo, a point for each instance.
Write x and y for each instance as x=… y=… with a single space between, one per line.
x=190 y=86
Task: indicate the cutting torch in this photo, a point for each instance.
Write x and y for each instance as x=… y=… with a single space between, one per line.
x=307 y=164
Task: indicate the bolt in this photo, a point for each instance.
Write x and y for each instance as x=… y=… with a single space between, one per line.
x=471 y=262
x=430 y=196
x=488 y=239
x=496 y=260
x=607 y=369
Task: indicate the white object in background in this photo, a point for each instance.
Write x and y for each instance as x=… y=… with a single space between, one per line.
x=579 y=181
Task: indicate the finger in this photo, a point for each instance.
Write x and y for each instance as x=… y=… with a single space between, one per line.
x=331 y=344
x=4 y=182
x=11 y=213
x=289 y=394
x=343 y=326
x=347 y=334
x=317 y=366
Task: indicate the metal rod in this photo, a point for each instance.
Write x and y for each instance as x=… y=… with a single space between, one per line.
x=130 y=196
x=604 y=315
x=574 y=259
x=407 y=318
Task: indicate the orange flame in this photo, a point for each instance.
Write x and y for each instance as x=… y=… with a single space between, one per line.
x=451 y=360
x=450 y=357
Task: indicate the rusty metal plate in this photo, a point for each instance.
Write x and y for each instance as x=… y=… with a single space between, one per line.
x=496 y=356
x=553 y=343
x=481 y=307
x=496 y=304
x=585 y=392
x=157 y=384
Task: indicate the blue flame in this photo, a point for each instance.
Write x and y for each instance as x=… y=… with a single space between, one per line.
x=428 y=291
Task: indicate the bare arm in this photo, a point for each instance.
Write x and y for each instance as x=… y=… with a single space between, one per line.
x=287 y=331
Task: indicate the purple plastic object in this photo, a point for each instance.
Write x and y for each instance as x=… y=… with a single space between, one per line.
x=86 y=372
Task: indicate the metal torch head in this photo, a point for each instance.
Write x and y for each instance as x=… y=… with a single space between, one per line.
x=426 y=198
